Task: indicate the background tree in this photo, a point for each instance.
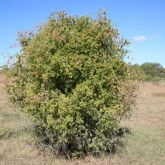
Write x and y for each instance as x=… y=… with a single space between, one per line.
x=153 y=71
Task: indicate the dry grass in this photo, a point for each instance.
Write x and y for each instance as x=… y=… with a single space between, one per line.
x=144 y=146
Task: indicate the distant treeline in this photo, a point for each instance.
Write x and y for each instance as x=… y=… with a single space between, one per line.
x=149 y=71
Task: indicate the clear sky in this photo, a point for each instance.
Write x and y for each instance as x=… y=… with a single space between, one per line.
x=142 y=22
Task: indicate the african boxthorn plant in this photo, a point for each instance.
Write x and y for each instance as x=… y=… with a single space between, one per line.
x=71 y=78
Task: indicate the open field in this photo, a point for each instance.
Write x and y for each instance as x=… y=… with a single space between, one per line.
x=145 y=145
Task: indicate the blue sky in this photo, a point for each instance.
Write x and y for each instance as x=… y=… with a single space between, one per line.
x=142 y=22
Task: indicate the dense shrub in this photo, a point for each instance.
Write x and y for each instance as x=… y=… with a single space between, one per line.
x=153 y=71
x=148 y=71
x=139 y=74
x=71 y=77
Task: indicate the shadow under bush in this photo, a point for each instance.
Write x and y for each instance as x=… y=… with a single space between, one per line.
x=116 y=143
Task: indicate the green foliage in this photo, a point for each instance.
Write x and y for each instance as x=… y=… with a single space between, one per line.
x=148 y=71
x=153 y=71
x=138 y=72
x=71 y=77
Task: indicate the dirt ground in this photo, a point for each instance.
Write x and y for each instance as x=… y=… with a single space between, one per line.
x=145 y=145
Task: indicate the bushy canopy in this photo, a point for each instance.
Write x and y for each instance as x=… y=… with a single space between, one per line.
x=153 y=71
x=71 y=77
x=148 y=71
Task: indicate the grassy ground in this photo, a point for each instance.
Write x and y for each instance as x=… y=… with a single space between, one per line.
x=145 y=145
